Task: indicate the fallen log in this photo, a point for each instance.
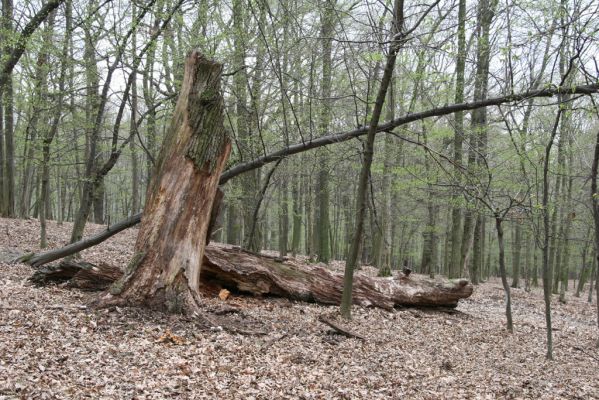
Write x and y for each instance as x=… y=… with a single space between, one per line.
x=78 y=274
x=249 y=273
x=244 y=272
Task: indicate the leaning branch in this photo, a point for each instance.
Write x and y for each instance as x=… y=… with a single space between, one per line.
x=51 y=255
x=37 y=260
x=406 y=119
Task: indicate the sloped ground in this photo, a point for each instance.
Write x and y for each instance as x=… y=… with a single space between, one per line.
x=51 y=346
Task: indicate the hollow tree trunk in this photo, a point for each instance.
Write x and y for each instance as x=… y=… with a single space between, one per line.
x=165 y=271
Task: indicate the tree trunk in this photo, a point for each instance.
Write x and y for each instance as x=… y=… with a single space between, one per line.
x=51 y=133
x=164 y=273
x=283 y=219
x=477 y=250
x=296 y=194
x=592 y=280
x=134 y=209
x=323 y=223
x=502 y=269
x=584 y=270
x=247 y=272
x=361 y=195
x=595 y=204
x=8 y=115
x=456 y=212
x=517 y=253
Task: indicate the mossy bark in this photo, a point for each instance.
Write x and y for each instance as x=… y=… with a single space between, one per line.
x=165 y=273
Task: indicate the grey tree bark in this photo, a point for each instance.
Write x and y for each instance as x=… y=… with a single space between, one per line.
x=456 y=213
x=396 y=42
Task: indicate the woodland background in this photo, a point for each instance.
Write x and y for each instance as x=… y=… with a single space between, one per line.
x=86 y=108
x=87 y=95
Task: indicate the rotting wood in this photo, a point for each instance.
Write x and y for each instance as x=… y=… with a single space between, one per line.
x=275 y=258
x=176 y=223
x=78 y=274
x=243 y=272
x=253 y=274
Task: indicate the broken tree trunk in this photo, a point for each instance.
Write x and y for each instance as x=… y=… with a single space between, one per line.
x=244 y=272
x=165 y=270
x=79 y=274
x=241 y=271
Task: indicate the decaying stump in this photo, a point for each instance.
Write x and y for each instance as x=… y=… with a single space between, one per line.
x=165 y=271
x=240 y=271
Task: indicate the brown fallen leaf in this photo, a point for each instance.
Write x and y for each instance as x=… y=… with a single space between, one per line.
x=224 y=294
x=169 y=337
x=185 y=369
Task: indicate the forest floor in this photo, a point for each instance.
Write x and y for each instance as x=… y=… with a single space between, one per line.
x=53 y=346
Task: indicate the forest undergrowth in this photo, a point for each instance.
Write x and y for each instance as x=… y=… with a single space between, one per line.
x=52 y=345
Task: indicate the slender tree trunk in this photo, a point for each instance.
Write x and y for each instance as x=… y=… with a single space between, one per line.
x=3 y=188
x=547 y=267
x=133 y=132
x=92 y=105
x=593 y=276
x=350 y=265
x=478 y=136
x=429 y=248
x=323 y=223
x=595 y=204
x=384 y=261
x=568 y=218
x=529 y=249
x=456 y=213
x=297 y=214
x=37 y=125
x=517 y=253
x=477 y=251
x=6 y=100
x=502 y=269
x=584 y=270
x=51 y=134
x=283 y=221
x=248 y=184
x=150 y=102
x=253 y=180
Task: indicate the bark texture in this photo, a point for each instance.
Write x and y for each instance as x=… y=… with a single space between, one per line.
x=164 y=273
x=246 y=272
x=242 y=271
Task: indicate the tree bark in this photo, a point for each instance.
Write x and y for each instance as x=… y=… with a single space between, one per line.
x=133 y=131
x=51 y=133
x=502 y=269
x=516 y=254
x=361 y=195
x=323 y=224
x=456 y=212
x=164 y=273
x=246 y=272
x=595 y=204
x=7 y=191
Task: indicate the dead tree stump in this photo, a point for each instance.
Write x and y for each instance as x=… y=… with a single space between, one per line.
x=164 y=274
